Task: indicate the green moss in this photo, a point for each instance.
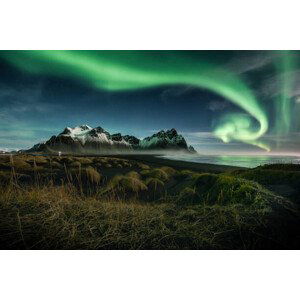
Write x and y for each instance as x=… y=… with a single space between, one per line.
x=271 y=177
x=280 y=167
x=223 y=189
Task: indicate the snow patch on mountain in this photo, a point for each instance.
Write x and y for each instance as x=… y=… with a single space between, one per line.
x=85 y=134
x=85 y=139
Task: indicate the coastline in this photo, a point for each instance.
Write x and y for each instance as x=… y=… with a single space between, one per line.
x=157 y=161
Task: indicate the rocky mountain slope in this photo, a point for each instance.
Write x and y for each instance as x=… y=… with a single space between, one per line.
x=87 y=140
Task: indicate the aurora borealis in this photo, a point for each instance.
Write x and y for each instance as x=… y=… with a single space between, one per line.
x=259 y=100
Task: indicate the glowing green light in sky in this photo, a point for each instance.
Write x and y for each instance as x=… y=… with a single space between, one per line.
x=285 y=66
x=128 y=70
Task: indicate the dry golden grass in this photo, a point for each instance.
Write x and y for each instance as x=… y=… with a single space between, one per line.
x=76 y=207
x=156 y=189
x=55 y=165
x=5 y=177
x=19 y=163
x=84 y=160
x=133 y=174
x=158 y=173
x=92 y=175
x=59 y=217
x=155 y=184
x=143 y=166
x=183 y=174
x=75 y=164
x=168 y=170
x=38 y=160
x=127 y=184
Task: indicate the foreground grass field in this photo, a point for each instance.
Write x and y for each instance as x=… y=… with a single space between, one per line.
x=117 y=203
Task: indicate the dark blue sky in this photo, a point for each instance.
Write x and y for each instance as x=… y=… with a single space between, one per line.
x=36 y=106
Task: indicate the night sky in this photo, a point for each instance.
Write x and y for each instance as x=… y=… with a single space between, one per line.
x=221 y=101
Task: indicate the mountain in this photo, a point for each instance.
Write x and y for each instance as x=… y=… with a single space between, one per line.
x=7 y=151
x=169 y=139
x=87 y=140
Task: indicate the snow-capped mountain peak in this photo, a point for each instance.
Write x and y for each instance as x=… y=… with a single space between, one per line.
x=76 y=131
x=88 y=140
x=164 y=139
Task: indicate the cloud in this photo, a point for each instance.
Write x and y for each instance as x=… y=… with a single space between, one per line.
x=201 y=134
x=272 y=86
x=246 y=62
x=24 y=99
x=18 y=128
x=201 y=138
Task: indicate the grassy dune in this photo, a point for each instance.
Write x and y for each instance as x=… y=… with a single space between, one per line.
x=125 y=203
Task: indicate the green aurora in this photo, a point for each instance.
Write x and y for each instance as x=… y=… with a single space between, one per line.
x=285 y=67
x=129 y=70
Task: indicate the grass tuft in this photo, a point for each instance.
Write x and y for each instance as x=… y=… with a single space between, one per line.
x=127 y=184
x=65 y=203
x=93 y=175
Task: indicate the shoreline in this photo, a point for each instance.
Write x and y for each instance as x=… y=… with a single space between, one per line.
x=157 y=161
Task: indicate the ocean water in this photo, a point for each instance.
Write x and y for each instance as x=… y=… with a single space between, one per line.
x=248 y=161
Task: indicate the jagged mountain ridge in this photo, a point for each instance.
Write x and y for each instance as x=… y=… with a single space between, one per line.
x=88 y=140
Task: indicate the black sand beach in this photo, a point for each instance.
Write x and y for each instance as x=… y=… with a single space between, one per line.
x=157 y=161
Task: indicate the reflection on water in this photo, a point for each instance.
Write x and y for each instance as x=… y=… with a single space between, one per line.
x=237 y=160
